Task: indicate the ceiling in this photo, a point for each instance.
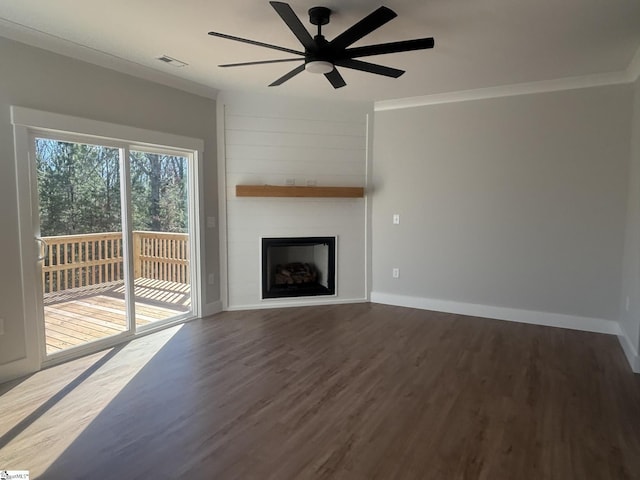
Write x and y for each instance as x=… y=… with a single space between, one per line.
x=479 y=43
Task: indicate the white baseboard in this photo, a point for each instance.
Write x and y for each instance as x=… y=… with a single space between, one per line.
x=212 y=308
x=289 y=304
x=16 y=369
x=587 y=324
x=630 y=352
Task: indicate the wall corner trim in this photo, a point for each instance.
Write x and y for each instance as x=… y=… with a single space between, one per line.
x=633 y=70
x=212 y=308
x=630 y=352
x=17 y=368
x=572 y=322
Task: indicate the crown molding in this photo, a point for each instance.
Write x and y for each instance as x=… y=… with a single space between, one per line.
x=569 y=83
x=61 y=46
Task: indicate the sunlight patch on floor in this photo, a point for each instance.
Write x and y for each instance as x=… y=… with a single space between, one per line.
x=40 y=418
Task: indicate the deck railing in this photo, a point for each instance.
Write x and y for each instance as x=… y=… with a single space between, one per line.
x=74 y=261
x=161 y=256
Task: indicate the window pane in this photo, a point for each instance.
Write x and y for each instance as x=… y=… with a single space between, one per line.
x=160 y=218
x=80 y=221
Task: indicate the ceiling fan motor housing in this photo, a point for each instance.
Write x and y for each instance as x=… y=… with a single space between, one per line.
x=319 y=15
x=321 y=51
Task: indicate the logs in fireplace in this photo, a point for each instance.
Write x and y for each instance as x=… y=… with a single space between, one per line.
x=295 y=274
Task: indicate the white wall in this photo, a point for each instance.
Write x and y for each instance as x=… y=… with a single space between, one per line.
x=510 y=207
x=630 y=315
x=269 y=139
x=41 y=80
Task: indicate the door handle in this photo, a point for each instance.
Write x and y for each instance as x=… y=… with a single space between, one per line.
x=44 y=249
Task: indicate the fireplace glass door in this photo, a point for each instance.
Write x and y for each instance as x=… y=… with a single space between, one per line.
x=298 y=266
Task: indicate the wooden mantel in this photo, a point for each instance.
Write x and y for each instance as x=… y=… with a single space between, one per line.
x=298 y=191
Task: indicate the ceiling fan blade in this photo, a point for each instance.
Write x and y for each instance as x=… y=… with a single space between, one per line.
x=289 y=75
x=335 y=78
x=365 y=26
x=370 y=67
x=254 y=42
x=392 y=47
x=262 y=62
x=295 y=25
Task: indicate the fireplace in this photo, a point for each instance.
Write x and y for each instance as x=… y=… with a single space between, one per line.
x=298 y=266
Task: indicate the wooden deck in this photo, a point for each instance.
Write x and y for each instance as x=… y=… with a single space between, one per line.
x=80 y=315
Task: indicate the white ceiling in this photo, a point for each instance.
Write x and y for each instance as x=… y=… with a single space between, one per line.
x=479 y=43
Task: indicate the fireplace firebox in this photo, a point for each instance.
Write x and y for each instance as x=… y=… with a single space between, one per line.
x=298 y=266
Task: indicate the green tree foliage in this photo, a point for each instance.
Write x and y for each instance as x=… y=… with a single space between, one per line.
x=159 y=192
x=79 y=188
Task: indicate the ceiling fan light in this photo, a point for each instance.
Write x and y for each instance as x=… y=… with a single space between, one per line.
x=318 y=66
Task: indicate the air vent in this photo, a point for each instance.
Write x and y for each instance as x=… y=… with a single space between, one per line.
x=172 y=61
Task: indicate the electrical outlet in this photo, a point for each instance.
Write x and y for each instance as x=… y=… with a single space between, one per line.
x=311 y=183
x=212 y=279
x=396 y=219
x=395 y=273
x=290 y=181
x=1 y=326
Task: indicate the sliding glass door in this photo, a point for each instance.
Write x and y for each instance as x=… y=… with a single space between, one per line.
x=80 y=212
x=115 y=240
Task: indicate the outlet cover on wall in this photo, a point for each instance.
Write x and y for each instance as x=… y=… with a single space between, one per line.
x=396 y=219
x=290 y=181
x=395 y=273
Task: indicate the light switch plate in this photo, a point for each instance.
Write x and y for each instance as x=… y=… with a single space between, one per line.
x=396 y=219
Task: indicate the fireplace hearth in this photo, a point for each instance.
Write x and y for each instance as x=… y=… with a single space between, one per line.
x=298 y=266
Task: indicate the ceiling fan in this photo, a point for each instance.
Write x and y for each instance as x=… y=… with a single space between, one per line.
x=322 y=56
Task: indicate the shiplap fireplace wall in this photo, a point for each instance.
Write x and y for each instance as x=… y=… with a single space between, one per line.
x=276 y=141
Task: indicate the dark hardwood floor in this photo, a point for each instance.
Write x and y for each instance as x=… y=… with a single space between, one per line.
x=343 y=392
